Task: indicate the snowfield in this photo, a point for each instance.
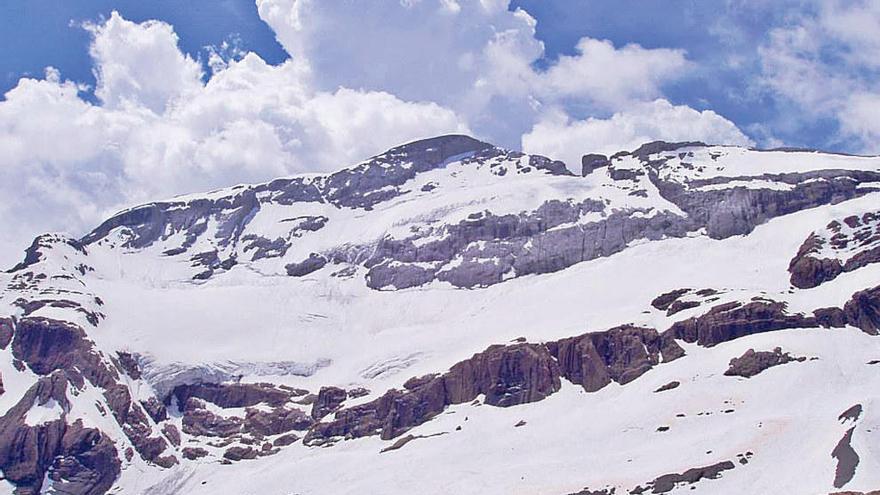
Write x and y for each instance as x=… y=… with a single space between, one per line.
x=180 y=292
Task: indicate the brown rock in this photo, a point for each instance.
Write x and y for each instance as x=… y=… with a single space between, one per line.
x=193 y=453
x=328 y=401
x=198 y=421
x=807 y=271
x=621 y=355
x=669 y=386
x=663 y=301
x=830 y=317
x=129 y=364
x=172 y=434
x=751 y=363
x=863 y=310
x=6 y=326
x=234 y=394
x=507 y=375
x=279 y=420
x=238 y=453
x=285 y=440
x=82 y=460
x=732 y=320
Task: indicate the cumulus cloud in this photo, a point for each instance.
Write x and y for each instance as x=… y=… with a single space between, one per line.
x=825 y=64
x=141 y=64
x=475 y=57
x=559 y=136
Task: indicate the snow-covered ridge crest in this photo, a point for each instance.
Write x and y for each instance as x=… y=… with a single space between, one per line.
x=266 y=320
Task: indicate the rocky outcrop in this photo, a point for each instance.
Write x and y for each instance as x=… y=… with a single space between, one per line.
x=228 y=395
x=328 y=401
x=808 y=271
x=665 y=300
x=830 y=317
x=268 y=410
x=36 y=252
x=733 y=320
x=6 y=329
x=311 y=264
x=667 y=482
x=75 y=459
x=751 y=362
x=620 y=355
x=506 y=375
x=591 y=162
x=49 y=347
x=669 y=386
x=842 y=246
x=485 y=248
x=863 y=310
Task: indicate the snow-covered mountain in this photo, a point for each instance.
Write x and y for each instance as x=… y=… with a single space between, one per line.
x=452 y=317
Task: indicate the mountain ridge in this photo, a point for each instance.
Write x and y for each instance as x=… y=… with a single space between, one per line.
x=316 y=322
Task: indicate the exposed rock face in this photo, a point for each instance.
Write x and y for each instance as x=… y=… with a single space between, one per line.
x=76 y=459
x=238 y=453
x=47 y=347
x=665 y=300
x=329 y=399
x=830 y=317
x=233 y=394
x=6 y=329
x=591 y=162
x=311 y=264
x=280 y=417
x=733 y=320
x=808 y=271
x=621 y=355
x=843 y=246
x=193 y=453
x=507 y=376
x=751 y=363
x=863 y=310
x=729 y=211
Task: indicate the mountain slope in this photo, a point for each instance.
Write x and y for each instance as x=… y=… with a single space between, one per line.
x=454 y=317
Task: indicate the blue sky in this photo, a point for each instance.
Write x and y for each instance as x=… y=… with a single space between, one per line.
x=112 y=103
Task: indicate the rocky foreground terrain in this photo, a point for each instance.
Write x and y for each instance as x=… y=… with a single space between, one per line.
x=452 y=317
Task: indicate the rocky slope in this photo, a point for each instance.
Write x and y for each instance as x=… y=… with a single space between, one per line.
x=452 y=317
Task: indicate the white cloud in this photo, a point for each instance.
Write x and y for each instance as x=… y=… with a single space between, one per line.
x=558 y=136
x=141 y=64
x=613 y=77
x=475 y=57
x=825 y=64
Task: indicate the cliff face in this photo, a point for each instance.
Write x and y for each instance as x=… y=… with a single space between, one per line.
x=313 y=319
